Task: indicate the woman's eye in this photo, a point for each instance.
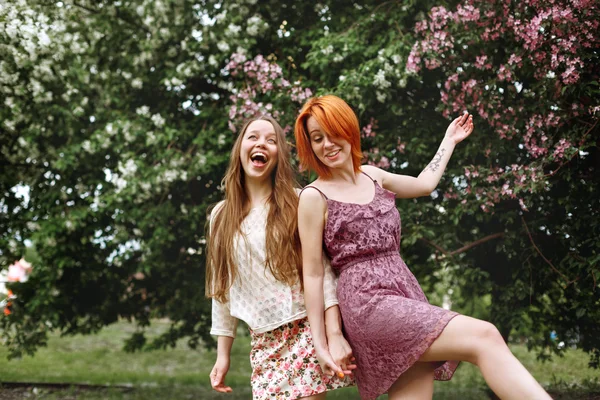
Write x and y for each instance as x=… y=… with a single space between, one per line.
x=252 y=137
x=272 y=141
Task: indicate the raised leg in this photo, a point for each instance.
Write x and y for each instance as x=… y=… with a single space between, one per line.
x=480 y=343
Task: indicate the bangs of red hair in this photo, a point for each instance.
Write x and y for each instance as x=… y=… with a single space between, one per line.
x=338 y=120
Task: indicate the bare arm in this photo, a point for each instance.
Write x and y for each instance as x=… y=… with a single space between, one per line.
x=221 y=367
x=338 y=346
x=408 y=186
x=333 y=322
x=311 y=212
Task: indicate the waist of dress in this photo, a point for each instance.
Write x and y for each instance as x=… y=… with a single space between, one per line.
x=366 y=258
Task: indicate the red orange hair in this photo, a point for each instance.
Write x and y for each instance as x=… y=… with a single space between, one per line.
x=337 y=119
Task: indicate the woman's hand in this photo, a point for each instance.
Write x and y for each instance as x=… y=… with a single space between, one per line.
x=460 y=128
x=341 y=352
x=217 y=376
x=327 y=363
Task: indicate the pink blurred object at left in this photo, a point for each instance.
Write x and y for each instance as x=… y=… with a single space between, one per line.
x=19 y=271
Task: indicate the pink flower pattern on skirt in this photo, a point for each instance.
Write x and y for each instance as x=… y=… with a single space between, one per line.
x=285 y=366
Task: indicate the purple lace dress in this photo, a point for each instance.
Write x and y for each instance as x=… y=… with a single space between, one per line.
x=387 y=319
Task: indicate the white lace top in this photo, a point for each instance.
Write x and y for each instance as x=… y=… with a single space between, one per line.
x=256 y=297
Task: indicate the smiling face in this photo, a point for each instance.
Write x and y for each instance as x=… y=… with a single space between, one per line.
x=258 y=150
x=331 y=151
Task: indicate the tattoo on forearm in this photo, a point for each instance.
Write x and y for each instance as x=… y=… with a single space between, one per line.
x=434 y=165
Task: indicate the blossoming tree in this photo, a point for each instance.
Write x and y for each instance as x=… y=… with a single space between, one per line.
x=118 y=118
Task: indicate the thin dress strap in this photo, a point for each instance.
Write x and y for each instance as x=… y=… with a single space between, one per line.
x=368 y=176
x=309 y=186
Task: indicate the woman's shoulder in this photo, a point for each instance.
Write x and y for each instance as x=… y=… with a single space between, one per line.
x=370 y=170
x=214 y=210
x=373 y=172
x=312 y=195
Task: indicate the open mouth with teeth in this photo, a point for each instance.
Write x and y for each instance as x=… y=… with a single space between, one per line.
x=333 y=154
x=259 y=159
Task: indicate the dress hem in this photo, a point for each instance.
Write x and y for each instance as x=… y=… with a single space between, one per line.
x=403 y=368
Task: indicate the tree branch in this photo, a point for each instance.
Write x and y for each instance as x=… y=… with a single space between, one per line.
x=477 y=243
x=540 y=253
x=465 y=247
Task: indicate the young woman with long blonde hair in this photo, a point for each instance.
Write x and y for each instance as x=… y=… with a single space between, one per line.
x=252 y=274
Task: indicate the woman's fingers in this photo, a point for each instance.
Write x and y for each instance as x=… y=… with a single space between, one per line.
x=216 y=381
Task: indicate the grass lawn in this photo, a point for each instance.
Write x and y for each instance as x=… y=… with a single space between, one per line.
x=182 y=373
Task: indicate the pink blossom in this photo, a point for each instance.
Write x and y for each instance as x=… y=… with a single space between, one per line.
x=515 y=59
x=480 y=62
x=504 y=74
x=400 y=147
x=522 y=204
x=559 y=151
x=412 y=63
x=384 y=163
x=19 y=271
x=466 y=13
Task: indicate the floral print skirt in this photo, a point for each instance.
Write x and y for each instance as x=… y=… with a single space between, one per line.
x=285 y=366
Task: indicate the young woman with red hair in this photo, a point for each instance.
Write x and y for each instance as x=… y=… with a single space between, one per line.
x=400 y=341
x=252 y=274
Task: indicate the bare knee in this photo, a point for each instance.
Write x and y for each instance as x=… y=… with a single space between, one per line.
x=487 y=339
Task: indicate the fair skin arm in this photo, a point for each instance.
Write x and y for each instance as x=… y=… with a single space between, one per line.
x=311 y=210
x=407 y=187
x=340 y=350
x=217 y=375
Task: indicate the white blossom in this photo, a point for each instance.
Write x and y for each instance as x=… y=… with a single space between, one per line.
x=223 y=46
x=87 y=146
x=137 y=83
x=169 y=175
x=233 y=29
x=174 y=82
x=380 y=81
x=256 y=25
x=128 y=169
x=150 y=138
x=158 y=120
x=143 y=111
x=327 y=50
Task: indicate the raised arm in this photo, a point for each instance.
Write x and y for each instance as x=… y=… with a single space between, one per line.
x=408 y=186
x=311 y=212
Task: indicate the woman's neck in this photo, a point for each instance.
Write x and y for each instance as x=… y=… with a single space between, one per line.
x=258 y=192
x=343 y=175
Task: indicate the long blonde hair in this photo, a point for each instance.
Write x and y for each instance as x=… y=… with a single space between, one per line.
x=283 y=257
